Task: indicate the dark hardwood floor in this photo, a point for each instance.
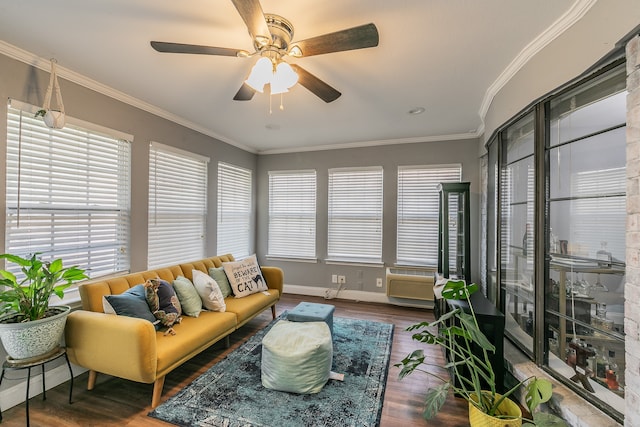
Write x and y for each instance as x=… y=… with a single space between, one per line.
x=125 y=403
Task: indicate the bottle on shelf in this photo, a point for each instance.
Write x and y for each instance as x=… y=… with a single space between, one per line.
x=603 y=256
x=602 y=364
x=612 y=372
x=591 y=361
x=529 y=324
x=553 y=242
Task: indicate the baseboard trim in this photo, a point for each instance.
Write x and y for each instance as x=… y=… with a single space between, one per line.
x=353 y=295
x=15 y=394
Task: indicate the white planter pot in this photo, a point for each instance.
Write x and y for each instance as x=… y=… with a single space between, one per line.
x=54 y=119
x=31 y=339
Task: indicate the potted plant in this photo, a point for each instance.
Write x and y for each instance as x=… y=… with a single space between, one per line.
x=29 y=327
x=474 y=378
x=55 y=119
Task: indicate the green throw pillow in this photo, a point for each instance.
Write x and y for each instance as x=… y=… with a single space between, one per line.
x=220 y=277
x=188 y=296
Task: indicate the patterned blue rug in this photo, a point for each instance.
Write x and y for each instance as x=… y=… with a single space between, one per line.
x=231 y=394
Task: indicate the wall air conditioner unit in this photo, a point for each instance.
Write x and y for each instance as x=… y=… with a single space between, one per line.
x=410 y=283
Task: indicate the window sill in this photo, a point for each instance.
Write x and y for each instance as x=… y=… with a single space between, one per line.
x=291 y=259
x=354 y=262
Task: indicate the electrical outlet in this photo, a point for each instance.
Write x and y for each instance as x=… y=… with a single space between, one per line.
x=379 y=282
x=342 y=280
x=334 y=278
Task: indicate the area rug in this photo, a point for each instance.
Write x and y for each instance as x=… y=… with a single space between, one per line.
x=231 y=394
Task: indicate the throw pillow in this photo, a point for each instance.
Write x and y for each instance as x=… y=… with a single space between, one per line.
x=221 y=279
x=209 y=291
x=131 y=303
x=188 y=296
x=163 y=302
x=245 y=276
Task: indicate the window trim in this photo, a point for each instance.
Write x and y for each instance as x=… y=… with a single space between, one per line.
x=85 y=130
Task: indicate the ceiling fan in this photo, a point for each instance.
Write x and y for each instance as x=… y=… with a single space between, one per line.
x=272 y=35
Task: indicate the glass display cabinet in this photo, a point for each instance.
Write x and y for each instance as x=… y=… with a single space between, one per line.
x=454 y=251
x=557 y=249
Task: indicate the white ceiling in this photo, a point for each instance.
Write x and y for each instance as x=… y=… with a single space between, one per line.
x=448 y=56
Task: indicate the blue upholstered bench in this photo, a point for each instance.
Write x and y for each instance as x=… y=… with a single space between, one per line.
x=312 y=312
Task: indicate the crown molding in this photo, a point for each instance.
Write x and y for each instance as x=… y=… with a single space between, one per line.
x=67 y=74
x=362 y=144
x=568 y=19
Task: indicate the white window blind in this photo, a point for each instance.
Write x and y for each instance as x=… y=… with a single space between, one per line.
x=177 y=206
x=67 y=192
x=418 y=210
x=598 y=212
x=234 y=210
x=355 y=214
x=292 y=214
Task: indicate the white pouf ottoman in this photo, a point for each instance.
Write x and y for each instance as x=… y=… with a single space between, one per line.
x=297 y=357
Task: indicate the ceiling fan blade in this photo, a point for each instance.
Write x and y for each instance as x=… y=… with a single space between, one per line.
x=253 y=17
x=315 y=85
x=193 y=48
x=353 y=38
x=245 y=93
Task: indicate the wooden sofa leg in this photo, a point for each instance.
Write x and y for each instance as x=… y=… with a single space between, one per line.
x=157 y=392
x=92 y=380
x=273 y=312
x=227 y=342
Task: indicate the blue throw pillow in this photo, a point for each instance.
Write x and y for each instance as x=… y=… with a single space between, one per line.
x=131 y=303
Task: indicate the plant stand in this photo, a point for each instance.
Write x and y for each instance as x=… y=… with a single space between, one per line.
x=33 y=362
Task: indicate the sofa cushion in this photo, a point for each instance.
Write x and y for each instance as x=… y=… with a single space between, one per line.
x=220 y=277
x=131 y=303
x=245 y=276
x=192 y=336
x=188 y=296
x=209 y=291
x=245 y=308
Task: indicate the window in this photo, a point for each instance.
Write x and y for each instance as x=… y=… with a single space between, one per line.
x=177 y=205
x=418 y=207
x=355 y=214
x=234 y=210
x=67 y=192
x=292 y=214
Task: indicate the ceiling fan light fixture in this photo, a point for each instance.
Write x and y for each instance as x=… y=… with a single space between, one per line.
x=283 y=78
x=261 y=74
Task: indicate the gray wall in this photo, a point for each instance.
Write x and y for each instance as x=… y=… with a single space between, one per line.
x=361 y=277
x=28 y=84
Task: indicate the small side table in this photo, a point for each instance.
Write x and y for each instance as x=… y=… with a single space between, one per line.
x=33 y=362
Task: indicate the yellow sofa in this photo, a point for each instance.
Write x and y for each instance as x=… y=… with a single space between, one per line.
x=131 y=348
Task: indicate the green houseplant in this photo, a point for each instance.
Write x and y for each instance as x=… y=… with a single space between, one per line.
x=456 y=332
x=27 y=319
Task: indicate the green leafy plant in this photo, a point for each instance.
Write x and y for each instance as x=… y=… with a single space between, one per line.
x=40 y=113
x=458 y=333
x=29 y=297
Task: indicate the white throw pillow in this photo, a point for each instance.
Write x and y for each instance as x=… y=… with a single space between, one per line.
x=245 y=277
x=209 y=291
